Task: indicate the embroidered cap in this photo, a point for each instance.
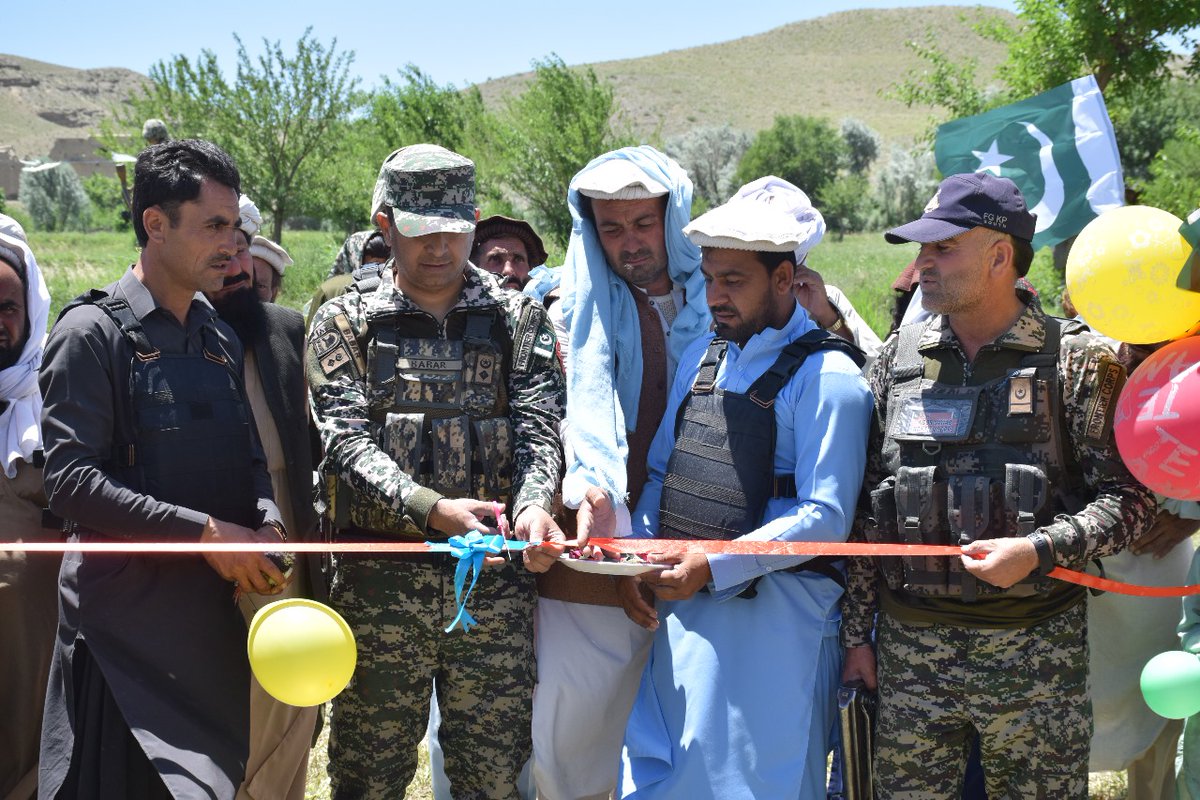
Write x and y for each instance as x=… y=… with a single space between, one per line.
x=966 y=201
x=271 y=253
x=744 y=224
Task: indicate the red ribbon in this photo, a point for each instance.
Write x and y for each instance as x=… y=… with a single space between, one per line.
x=664 y=546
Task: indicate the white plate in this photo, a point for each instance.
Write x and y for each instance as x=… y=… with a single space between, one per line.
x=629 y=568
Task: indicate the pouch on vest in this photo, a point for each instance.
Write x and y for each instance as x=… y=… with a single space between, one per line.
x=403 y=438
x=881 y=528
x=921 y=519
x=450 y=447
x=494 y=457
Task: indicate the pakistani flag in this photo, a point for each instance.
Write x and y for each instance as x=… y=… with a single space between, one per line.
x=1189 y=278
x=1058 y=147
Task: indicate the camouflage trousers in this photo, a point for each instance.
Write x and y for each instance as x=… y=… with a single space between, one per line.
x=484 y=678
x=1024 y=691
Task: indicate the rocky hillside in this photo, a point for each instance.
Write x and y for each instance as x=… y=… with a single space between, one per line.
x=41 y=102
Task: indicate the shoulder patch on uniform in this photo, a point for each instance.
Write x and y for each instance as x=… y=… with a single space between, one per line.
x=526 y=337
x=1100 y=407
x=335 y=347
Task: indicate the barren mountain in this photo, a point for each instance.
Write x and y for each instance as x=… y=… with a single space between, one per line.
x=42 y=102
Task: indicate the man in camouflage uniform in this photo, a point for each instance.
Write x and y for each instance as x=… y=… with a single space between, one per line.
x=435 y=393
x=993 y=430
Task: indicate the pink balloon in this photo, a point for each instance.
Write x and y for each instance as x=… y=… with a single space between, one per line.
x=1157 y=422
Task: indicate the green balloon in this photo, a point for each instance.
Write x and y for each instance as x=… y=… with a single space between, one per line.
x=1171 y=684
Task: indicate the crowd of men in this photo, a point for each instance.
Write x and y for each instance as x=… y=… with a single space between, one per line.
x=676 y=378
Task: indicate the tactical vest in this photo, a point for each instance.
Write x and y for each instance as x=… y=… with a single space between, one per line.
x=192 y=442
x=972 y=456
x=438 y=405
x=721 y=472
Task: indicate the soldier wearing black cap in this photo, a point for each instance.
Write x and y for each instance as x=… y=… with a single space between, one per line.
x=993 y=431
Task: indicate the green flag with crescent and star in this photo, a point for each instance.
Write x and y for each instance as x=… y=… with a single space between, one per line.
x=1058 y=147
x=1189 y=277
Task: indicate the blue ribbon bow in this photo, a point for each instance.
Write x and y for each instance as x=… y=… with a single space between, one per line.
x=470 y=550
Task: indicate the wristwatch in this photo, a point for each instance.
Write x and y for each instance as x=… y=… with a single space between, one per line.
x=1044 y=547
x=838 y=324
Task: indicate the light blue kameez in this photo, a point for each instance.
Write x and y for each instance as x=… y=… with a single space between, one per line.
x=738 y=697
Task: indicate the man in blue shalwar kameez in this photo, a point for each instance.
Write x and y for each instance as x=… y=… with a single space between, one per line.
x=738 y=697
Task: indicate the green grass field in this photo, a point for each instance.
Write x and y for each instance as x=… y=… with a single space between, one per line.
x=862 y=265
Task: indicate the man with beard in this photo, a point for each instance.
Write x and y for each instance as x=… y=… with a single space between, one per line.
x=508 y=248
x=764 y=440
x=148 y=438
x=992 y=430
x=633 y=299
x=28 y=581
x=273 y=340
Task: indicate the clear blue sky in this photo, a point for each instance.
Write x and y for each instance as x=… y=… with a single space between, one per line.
x=469 y=43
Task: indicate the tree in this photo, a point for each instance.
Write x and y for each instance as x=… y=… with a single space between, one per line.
x=1124 y=43
x=903 y=186
x=862 y=145
x=710 y=155
x=276 y=119
x=54 y=197
x=108 y=206
x=844 y=202
x=804 y=150
x=546 y=134
x=1174 y=183
x=1146 y=117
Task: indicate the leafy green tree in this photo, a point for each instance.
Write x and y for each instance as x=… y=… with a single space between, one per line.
x=1174 y=183
x=903 y=186
x=415 y=109
x=804 y=150
x=104 y=194
x=276 y=119
x=1124 y=43
x=844 y=203
x=54 y=197
x=710 y=155
x=546 y=134
x=862 y=145
x=1145 y=118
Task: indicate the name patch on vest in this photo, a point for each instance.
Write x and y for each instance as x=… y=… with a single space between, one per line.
x=942 y=418
x=438 y=364
x=1108 y=382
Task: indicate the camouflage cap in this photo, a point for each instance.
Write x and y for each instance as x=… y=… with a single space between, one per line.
x=429 y=189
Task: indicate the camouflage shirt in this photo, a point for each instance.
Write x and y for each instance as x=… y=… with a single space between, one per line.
x=536 y=398
x=1119 y=509
x=350 y=257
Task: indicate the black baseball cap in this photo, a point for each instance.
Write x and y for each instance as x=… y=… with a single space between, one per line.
x=966 y=201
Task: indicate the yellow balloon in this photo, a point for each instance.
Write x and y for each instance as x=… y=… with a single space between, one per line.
x=1121 y=274
x=301 y=651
